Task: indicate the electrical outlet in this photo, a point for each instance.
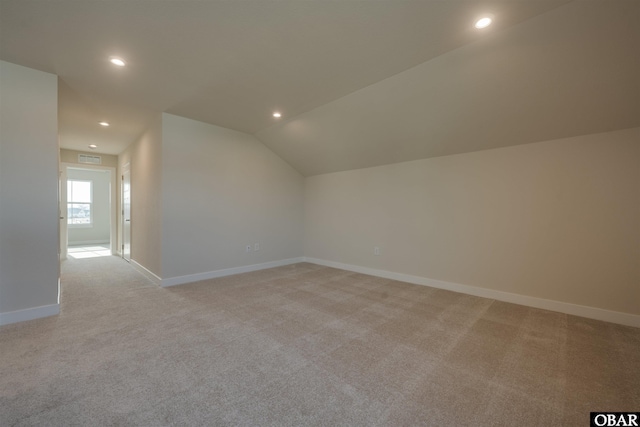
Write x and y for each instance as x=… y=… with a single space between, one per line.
x=248 y=248
x=256 y=247
x=376 y=250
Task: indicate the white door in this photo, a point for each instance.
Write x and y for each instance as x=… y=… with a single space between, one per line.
x=126 y=215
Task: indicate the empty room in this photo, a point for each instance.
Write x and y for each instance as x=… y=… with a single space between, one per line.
x=320 y=212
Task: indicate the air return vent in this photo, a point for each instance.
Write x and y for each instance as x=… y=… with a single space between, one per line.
x=86 y=158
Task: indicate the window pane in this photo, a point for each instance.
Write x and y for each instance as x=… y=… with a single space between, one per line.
x=79 y=202
x=80 y=191
x=78 y=213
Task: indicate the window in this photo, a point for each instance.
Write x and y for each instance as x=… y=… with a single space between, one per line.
x=79 y=199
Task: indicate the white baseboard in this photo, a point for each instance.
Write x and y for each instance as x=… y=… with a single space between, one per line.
x=29 y=314
x=180 y=280
x=88 y=242
x=146 y=272
x=562 y=307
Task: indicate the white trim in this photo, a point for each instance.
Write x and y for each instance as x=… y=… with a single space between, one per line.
x=146 y=272
x=627 y=319
x=88 y=242
x=180 y=280
x=29 y=314
x=90 y=225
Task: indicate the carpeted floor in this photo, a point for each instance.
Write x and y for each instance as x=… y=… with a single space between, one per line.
x=305 y=345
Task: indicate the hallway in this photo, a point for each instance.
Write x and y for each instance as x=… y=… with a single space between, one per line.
x=89 y=267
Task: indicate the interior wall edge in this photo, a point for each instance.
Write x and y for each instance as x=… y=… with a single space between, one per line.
x=146 y=272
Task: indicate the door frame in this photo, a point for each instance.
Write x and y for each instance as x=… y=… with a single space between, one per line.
x=113 y=224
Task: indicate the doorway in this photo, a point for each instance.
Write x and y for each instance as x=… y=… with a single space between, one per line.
x=88 y=219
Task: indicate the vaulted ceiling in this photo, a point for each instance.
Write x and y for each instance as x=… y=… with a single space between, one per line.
x=359 y=82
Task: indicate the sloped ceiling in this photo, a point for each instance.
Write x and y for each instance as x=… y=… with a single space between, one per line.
x=573 y=71
x=359 y=82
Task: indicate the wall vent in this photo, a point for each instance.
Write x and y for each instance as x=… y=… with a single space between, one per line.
x=86 y=158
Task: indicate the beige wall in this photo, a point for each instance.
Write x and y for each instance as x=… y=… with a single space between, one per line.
x=71 y=156
x=28 y=192
x=557 y=220
x=144 y=159
x=223 y=190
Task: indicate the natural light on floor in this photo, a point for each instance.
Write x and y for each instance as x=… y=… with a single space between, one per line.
x=80 y=252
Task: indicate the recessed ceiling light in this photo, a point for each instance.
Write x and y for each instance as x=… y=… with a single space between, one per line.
x=484 y=22
x=117 y=61
x=277 y=115
x=105 y=124
x=93 y=146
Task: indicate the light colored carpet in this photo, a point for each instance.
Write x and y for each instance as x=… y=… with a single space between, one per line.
x=305 y=345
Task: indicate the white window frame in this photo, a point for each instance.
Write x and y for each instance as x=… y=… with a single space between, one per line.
x=70 y=201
